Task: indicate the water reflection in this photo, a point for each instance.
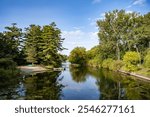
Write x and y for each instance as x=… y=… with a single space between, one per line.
x=8 y=87
x=113 y=85
x=45 y=86
x=78 y=73
x=74 y=83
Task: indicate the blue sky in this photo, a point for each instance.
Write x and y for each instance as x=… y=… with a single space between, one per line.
x=75 y=18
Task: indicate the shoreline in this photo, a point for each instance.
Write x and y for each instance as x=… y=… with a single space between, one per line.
x=134 y=74
x=128 y=73
x=28 y=69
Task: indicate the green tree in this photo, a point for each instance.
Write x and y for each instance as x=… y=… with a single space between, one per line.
x=78 y=56
x=51 y=45
x=12 y=39
x=32 y=44
x=118 y=33
x=44 y=44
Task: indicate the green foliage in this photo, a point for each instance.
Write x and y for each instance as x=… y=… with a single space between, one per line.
x=32 y=43
x=107 y=62
x=117 y=65
x=7 y=63
x=120 y=32
x=92 y=52
x=147 y=59
x=51 y=45
x=95 y=62
x=131 y=57
x=46 y=43
x=7 y=68
x=11 y=43
x=78 y=56
x=94 y=57
x=64 y=58
x=131 y=60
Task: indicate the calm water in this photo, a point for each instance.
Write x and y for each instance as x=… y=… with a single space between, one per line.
x=75 y=83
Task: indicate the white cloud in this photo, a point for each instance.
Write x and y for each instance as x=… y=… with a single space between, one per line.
x=96 y=1
x=128 y=11
x=78 y=28
x=76 y=38
x=137 y=2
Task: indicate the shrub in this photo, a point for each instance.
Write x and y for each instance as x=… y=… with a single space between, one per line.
x=117 y=65
x=147 y=60
x=107 y=63
x=95 y=62
x=131 y=60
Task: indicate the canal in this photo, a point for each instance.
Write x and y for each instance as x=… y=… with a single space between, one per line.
x=75 y=83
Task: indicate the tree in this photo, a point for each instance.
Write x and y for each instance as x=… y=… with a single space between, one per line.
x=32 y=44
x=92 y=52
x=118 y=32
x=78 y=56
x=51 y=45
x=12 y=38
x=11 y=44
x=43 y=45
x=94 y=57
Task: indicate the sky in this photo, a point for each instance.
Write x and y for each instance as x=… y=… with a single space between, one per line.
x=76 y=18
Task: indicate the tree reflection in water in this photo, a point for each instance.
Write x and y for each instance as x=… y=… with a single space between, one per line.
x=8 y=85
x=45 y=86
x=113 y=85
x=78 y=73
x=78 y=83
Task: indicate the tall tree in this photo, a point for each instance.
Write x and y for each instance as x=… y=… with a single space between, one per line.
x=118 y=30
x=52 y=44
x=12 y=38
x=33 y=38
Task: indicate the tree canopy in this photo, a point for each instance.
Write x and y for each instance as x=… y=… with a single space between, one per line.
x=37 y=44
x=78 y=56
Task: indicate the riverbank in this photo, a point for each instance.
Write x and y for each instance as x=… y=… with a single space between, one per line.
x=134 y=74
x=143 y=74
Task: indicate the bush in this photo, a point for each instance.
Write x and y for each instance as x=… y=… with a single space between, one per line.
x=147 y=60
x=117 y=65
x=95 y=62
x=131 y=60
x=131 y=57
x=107 y=63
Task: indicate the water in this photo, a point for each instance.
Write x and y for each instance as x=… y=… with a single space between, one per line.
x=75 y=84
